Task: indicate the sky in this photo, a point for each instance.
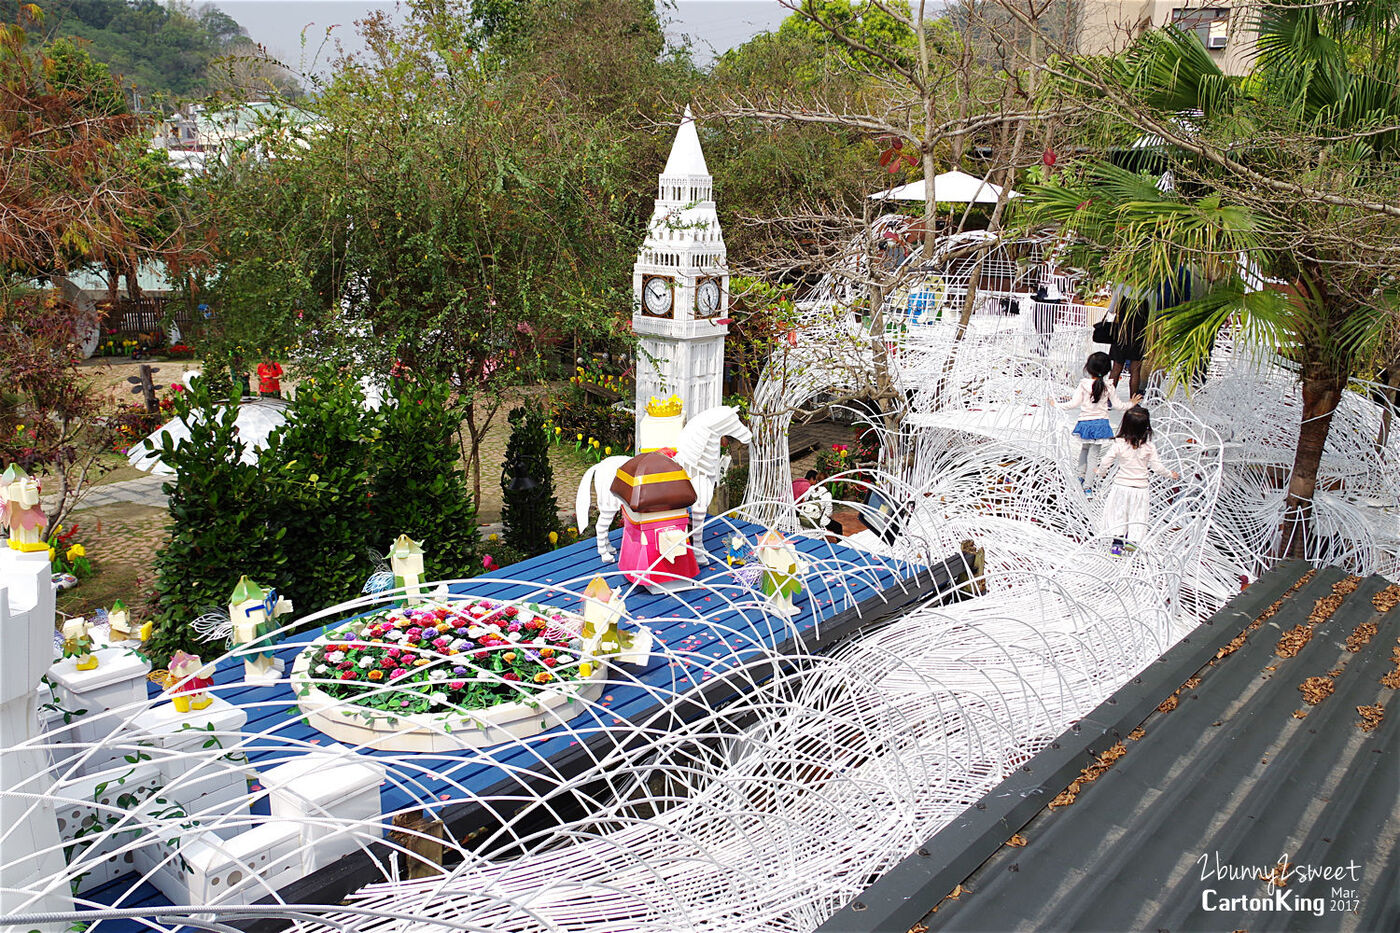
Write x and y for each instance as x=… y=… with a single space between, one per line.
x=714 y=26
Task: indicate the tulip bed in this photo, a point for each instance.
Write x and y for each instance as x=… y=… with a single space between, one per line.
x=447 y=657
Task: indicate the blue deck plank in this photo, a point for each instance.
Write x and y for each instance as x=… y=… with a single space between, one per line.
x=692 y=651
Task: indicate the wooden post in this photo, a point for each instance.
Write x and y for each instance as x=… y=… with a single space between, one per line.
x=148 y=389
x=420 y=836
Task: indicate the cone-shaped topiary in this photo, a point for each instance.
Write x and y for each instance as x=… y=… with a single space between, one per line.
x=529 y=511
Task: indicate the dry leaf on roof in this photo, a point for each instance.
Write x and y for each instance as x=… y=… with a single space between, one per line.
x=1316 y=689
x=1017 y=841
x=1293 y=640
x=1387 y=599
x=1361 y=636
x=1371 y=717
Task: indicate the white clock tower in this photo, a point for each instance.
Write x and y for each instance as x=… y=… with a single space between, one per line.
x=680 y=285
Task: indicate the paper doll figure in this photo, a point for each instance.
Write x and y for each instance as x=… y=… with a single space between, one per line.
x=603 y=633
x=20 y=510
x=736 y=550
x=253 y=614
x=656 y=498
x=406 y=561
x=782 y=572
x=77 y=644
x=190 y=680
x=119 y=622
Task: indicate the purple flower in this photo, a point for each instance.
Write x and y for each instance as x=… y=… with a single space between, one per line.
x=459 y=671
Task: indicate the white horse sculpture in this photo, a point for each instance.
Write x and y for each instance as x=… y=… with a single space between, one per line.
x=697 y=452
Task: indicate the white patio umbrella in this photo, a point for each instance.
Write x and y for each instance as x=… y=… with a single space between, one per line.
x=952 y=187
x=257 y=419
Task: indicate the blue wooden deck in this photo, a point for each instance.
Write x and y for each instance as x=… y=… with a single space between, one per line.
x=700 y=634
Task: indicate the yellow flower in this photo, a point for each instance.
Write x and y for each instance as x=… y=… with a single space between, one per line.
x=554 y=537
x=579 y=436
x=585 y=669
x=558 y=429
x=493 y=537
x=607 y=450
x=573 y=530
x=52 y=554
x=76 y=550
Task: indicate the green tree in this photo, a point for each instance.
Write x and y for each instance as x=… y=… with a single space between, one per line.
x=1290 y=174
x=529 y=510
x=162 y=51
x=443 y=212
x=872 y=36
x=73 y=187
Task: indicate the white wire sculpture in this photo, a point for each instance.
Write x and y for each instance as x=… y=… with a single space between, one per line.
x=755 y=783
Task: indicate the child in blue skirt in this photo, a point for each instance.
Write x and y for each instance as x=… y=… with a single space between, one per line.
x=1094 y=397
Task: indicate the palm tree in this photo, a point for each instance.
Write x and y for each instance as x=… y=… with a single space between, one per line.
x=1289 y=173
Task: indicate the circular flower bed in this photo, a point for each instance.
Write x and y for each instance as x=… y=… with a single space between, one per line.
x=446 y=675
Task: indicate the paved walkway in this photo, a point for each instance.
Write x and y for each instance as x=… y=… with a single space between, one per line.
x=144 y=490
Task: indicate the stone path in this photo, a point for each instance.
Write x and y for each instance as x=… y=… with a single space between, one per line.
x=144 y=490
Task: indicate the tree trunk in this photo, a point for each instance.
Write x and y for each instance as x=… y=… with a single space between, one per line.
x=1322 y=391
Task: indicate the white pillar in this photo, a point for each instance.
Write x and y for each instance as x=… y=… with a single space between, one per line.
x=32 y=877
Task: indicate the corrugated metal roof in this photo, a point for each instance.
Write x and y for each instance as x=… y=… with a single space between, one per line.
x=1229 y=775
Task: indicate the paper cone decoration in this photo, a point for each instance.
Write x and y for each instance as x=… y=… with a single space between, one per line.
x=653 y=483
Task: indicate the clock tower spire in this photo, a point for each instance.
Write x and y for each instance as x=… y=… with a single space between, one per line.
x=680 y=285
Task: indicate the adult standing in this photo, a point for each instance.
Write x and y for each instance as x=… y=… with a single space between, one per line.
x=1129 y=312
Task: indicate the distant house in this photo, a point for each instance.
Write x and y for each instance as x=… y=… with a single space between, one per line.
x=196 y=132
x=1226 y=29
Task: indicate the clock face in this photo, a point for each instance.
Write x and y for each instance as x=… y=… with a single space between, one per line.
x=656 y=296
x=707 y=296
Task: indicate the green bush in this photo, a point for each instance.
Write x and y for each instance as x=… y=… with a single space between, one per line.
x=333 y=484
x=318 y=471
x=529 y=509
x=417 y=489
x=223 y=523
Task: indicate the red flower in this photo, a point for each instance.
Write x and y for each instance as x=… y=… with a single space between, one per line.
x=510 y=675
x=550 y=662
x=1048 y=156
x=348 y=675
